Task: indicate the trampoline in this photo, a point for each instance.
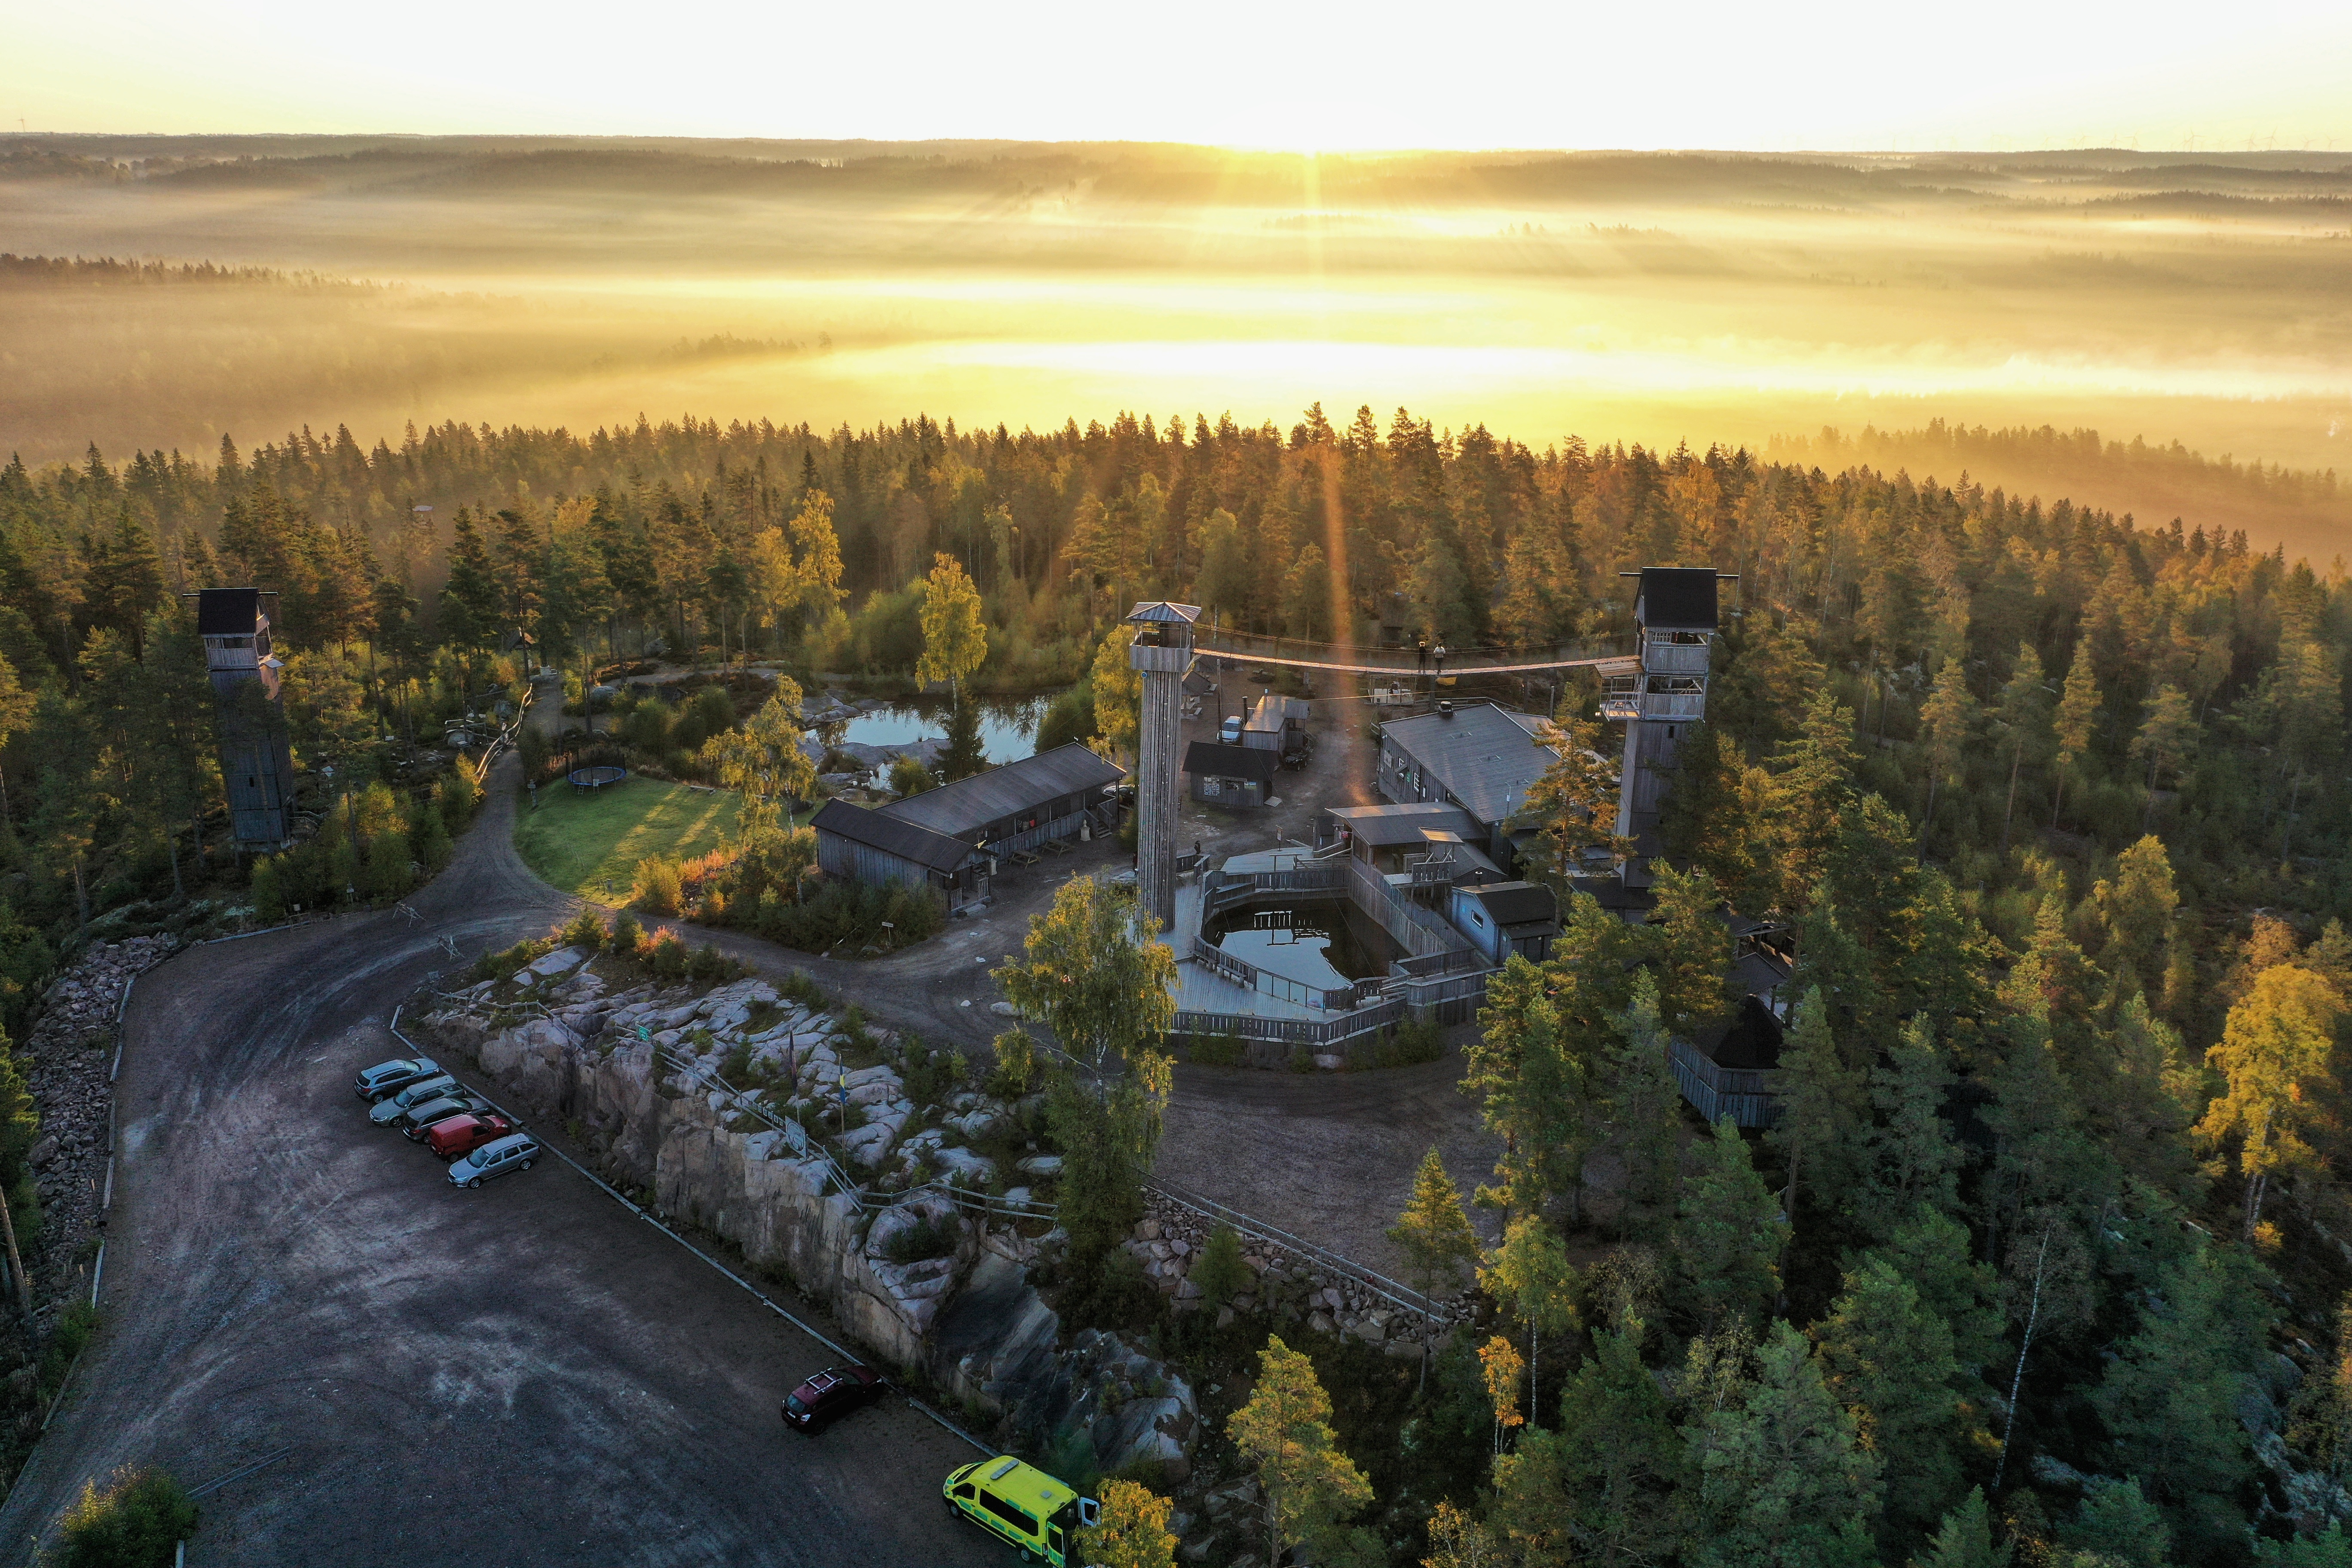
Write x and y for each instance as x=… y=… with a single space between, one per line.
x=596 y=778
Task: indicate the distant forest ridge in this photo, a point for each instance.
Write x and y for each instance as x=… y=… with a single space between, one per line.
x=1170 y=173
x=2303 y=512
x=2309 y=510
x=108 y=270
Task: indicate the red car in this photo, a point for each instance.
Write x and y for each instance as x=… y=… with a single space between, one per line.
x=461 y=1135
x=829 y=1396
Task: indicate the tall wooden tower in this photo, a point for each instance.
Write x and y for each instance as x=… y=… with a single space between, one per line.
x=256 y=765
x=1675 y=622
x=1162 y=653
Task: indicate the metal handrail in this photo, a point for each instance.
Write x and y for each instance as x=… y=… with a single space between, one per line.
x=1401 y=1294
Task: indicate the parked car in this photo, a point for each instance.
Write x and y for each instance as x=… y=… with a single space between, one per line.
x=390 y=1077
x=515 y=1152
x=1229 y=729
x=413 y=1121
x=832 y=1395
x=455 y=1136
x=392 y=1107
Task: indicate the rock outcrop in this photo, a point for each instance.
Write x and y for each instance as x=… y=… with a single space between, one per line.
x=727 y=1109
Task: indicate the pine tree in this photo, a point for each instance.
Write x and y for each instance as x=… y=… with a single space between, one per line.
x=1535 y=1091
x=1889 y=1360
x=2024 y=718
x=1607 y=1485
x=1285 y=1434
x=1434 y=1234
x=1823 y=1105
x=2170 y=1402
x=1913 y=1158
x=2331 y=1548
x=963 y=756
x=1644 y=1110
x=2166 y=734
x=1728 y=1234
x=2118 y=1522
x=1784 y=1480
x=1219 y=1270
x=1945 y=724
x=1932 y=1251
x=1966 y=1539
x=2078 y=713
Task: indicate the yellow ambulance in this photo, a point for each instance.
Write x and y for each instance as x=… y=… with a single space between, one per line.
x=1023 y=1505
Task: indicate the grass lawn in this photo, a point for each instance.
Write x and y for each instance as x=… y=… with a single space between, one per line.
x=582 y=841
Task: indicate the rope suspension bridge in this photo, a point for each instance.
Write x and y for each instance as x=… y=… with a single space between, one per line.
x=1342 y=658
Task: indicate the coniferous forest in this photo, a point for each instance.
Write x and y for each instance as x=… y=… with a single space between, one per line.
x=2052 y=803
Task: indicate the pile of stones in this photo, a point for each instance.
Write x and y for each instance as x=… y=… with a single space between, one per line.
x=1288 y=1287
x=67 y=1057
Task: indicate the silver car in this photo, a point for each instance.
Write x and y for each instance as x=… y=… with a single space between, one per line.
x=515 y=1152
x=392 y=1108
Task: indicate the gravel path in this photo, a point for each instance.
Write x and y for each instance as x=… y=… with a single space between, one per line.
x=529 y=1361
x=526 y=1375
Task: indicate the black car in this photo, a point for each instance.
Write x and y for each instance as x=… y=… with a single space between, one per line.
x=831 y=1395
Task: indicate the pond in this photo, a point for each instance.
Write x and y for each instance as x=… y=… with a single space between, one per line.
x=1008 y=725
x=1326 y=943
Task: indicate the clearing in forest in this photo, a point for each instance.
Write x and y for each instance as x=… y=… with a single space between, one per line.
x=589 y=843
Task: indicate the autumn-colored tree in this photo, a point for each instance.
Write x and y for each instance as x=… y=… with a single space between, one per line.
x=2275 y=1056
x=1118 y=694
x=1094 y=974
x=1131 y=1529
x=1530 y=1275
x=1501 y=1365
x=1284 y=1434
x=1434 y=1234
x=955 y=631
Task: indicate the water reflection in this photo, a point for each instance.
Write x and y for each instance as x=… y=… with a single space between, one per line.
x=1008 y=725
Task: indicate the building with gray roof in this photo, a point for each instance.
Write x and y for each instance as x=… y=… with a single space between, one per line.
x=1482 y=760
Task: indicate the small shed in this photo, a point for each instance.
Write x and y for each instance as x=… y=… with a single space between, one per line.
x=1231 y=775
x=1502 y=919
x=1274 y=722
x=1733 y=1068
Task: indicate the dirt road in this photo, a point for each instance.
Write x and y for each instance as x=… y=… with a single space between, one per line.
x=525 y=1375
x=529 y=1374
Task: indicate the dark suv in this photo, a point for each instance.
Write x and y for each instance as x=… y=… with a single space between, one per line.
x=390 y=1077
x=829 y=1396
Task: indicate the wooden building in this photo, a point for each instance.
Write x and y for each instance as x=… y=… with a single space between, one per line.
x=1006 y=813
x=1230 y=775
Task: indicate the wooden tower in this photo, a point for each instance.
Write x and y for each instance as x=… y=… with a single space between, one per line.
x=256 y=764
x=1675 y=622
x=1162 y=653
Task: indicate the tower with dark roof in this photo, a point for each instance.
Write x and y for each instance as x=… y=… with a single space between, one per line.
x=1674 y=621
x=256 y=763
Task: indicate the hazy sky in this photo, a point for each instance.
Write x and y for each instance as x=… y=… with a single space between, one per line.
x=1711 y=73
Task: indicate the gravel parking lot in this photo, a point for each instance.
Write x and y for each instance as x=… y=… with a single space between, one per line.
x=528 y=1373
x=523 y=1374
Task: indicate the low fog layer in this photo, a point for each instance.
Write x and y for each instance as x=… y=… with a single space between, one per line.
x=1658 y=297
